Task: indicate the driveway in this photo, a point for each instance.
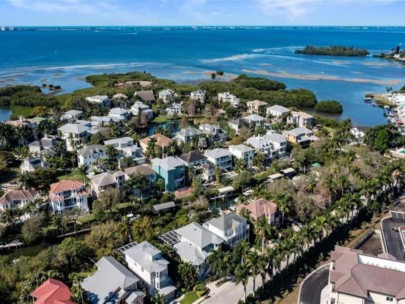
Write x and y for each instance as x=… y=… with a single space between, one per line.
x=389 y=227
x=311 y=288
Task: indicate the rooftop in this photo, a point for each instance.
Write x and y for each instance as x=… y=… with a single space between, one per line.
x=66 y=185
x=218 y=153
x=18 y=195
x=280 y=109
x=141 y=169
x=168 y=163
x=89 y=150
x=161 y=140
x=226 y=221
x=192 y=156
x=258 y=208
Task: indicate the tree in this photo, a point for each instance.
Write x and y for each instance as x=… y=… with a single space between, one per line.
x=242 y=181
x=32 y=229
x=242 y=276
x=191 y=107
x=125 y=228
x=158 y=298
x=218 y=174
x=183 y=122
x=216 y=262
x=254 y=264
x=111 y=160
x=382 y=141
x=258 y=160
x=72 y=253
x=138 y=183
x=108 y=199
x=263 y=230
x=188 y=275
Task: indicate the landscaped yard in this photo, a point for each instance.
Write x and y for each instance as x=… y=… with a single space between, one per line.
x=74 y=175
x=189 y=298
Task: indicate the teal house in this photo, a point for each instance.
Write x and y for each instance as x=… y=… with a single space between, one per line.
x=172 y=171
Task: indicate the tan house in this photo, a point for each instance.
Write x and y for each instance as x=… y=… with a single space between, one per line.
x=301 y=119
x=255 y=105
x=161 y=141
x=101 y=182
x=260 y=208
x=355 y=278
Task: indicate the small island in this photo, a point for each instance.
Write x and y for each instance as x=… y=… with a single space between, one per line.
x=395 y=54
x=333 y=51
x=329 y=107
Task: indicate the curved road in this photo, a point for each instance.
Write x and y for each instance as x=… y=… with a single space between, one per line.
x=311 y=288
x=391 y=235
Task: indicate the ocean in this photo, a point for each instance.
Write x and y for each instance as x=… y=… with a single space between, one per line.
x=64 y=56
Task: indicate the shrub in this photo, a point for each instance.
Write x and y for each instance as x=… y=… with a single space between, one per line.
x=329 y=106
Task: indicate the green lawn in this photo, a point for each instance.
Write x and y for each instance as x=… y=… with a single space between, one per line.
x=21 y=111
x=189 y=298
x=74 y=175
x=26 y=251
x=86 y=219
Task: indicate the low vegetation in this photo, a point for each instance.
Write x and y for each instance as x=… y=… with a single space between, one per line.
x=333 y=51
x=329 y=107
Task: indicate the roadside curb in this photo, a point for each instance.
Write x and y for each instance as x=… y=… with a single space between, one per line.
x=308 y=276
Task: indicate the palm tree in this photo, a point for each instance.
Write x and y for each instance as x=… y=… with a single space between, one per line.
x=138 y=182
x=253 y=263
x=242 y=276
x=111 y=160
x=158 y=298
x=125 y=228
x=263 y=229
x=216 y=262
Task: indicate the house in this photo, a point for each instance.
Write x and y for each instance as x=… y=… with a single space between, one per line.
x=358 y=278
x=31 y=164
x=22 y=121
x=145 y=170
x=278 y=141
x=91 y=155
x=228 y=97
x=166 y=95
x=45 y=146
x=193 y=243
x=221 y=158
x=260 y=208
x=253 y=119
x=301 y=136
x=253 y=107
x=119 y=97
x=68 y=194
x=160 y=140
x=357 y=134
x=72 y=115
x=118 y=114
x=139 y=107
x=52 y=292
x=102 y=121
x=244 y=153
x=112 y=283
x=145 y=96
x=195 y=161
x=277 y=112
x=147 y=262
x=102 y=100
x=263 y=146
x=161 y=208
x=231 y=227
x=301 y=119
x=103 y=181
x=187 y=135
x=208 y=172
x=214 y=132
x=17 y=199
x=172 y=171
x=198 y=95
x=74 y=134
x=236 y=124
x=126 y=148
x=174 y=109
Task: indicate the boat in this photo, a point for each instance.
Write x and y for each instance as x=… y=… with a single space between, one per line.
x=368 y=99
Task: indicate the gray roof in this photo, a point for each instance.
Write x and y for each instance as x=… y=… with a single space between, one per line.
x=275 y=137
x=226 y=221
x=118 y=111
x=110 y=278
x=192 y=156
x=259 y=142
x=89 y=150
x=118 y=140
x=147 y=256
x=242 y=148
x=190 y=131
x=217 y=153
x=164 y=206
x=254 y=118
x=146 y=95
x=103 y=179
x=300 y=131
x=74 y=128
x=18 y=195
x=278 y=108
x=168 y=163
x=141 y=169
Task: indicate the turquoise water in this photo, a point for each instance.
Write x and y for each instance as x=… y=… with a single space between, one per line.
x=64 y=57
x=4 y=114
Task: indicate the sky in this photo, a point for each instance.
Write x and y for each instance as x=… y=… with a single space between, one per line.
x=201 y=12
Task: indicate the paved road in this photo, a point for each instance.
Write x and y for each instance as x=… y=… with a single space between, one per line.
x=391 y=235
x=312 y=287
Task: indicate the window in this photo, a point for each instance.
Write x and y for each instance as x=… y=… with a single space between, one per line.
x=390 y=299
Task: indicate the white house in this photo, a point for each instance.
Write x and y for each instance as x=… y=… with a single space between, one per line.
x=255 y=105
x=279 y=142
x=31 y=164
x=74 y=134
x=228 y=97
x=98 y=99
x=166 y=95
x=103 y=181
x=301 y=119
x=118 y=114
x=101 y=121
x=139 y=107
x=72 y=115
x=174 y=109
x=355 y=278
x=126 y=148
x=45 y=146
x=277 y=111
x=243 y=152
x=90 y=155
x=198 y=95
x=214 y=132
x=219 y=157
x=254 y=119
x=147 y=262
x=264 y=146
x=68 y=194
x=187 y=134
x=17 y=199
x=230 y=227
